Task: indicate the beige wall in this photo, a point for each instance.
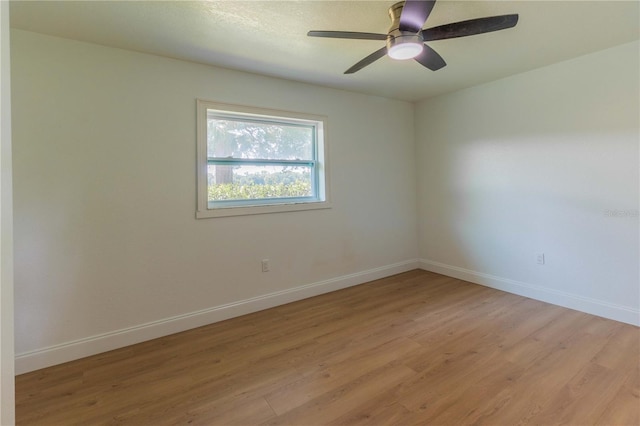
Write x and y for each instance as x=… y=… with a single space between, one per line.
x=537 y=163
x=108 y=250
x=7 y=395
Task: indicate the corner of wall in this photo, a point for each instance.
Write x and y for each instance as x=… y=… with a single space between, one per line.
x=7 y=391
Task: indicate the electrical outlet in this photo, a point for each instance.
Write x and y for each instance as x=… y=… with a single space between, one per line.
x=265 y=265
x=540 y=258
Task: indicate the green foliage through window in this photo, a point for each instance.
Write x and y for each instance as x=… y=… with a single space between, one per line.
x=236 y=191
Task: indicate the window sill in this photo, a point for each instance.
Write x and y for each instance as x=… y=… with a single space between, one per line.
x=252 y=210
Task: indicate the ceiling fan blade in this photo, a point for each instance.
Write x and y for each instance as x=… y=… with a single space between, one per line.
x=368 y=60
x=415 y=14
x=470 y=27
x=347 y=34
x=430 y=59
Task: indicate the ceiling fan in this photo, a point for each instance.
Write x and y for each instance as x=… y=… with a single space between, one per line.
x=406 y=38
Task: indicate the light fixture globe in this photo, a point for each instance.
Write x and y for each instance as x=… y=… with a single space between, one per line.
x=404 y=46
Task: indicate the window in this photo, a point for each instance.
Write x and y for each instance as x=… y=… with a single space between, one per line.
x=253 y=160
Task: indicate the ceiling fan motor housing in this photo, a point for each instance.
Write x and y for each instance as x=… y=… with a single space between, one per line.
x=396 y=37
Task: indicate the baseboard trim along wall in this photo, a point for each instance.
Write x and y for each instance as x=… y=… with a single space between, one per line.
x=69 y=351
x=572 y=301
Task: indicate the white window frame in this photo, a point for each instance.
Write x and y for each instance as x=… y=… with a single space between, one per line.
x=320 y=171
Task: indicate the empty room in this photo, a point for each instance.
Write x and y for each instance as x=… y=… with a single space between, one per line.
x=320 y=212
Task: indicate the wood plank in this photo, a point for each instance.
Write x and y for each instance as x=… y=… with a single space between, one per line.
x=335 y=403
x=584 y=398
x=624 y=408
x=334 y=375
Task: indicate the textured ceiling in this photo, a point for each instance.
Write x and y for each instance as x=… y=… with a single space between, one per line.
x=269 y=37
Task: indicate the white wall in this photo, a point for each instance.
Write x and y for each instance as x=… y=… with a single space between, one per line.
x=531 y=164
x=7 y=392
x=108 y=251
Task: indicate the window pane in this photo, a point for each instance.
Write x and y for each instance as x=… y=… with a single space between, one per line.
x=258 y=140
x=255 y=182
x=257 y=160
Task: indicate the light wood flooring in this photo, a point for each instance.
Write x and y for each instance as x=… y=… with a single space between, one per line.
x=415 y=348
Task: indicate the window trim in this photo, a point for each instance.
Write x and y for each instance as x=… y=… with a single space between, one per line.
x=262 y=206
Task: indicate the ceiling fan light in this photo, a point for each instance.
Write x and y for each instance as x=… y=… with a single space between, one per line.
x=406 y=50
x=404 y=45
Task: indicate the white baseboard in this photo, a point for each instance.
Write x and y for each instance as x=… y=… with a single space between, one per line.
x=568 y=300
x=69 y=351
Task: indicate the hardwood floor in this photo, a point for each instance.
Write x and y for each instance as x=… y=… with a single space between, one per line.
x=415 y=348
